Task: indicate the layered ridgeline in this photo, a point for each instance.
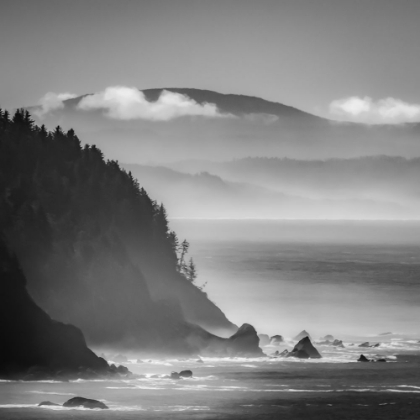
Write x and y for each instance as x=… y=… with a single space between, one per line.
x=299 y=190
x=386 y=178
x=96 y=250
x=163 y=125
x=213 y=143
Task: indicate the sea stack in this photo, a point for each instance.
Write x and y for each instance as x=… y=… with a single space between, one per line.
x=276 y=340
x=245 y=342
x=304 y=350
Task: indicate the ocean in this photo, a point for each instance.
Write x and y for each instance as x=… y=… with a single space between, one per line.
x=346 y=278
x=358 y=281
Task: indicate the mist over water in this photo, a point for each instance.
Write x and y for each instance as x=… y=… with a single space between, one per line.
x=329 y=277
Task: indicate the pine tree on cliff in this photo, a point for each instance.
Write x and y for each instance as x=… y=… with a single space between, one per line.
x=79 y=223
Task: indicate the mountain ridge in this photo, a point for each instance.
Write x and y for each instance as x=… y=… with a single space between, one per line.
x=206 y=195
x=237 y=104
x=258 y=127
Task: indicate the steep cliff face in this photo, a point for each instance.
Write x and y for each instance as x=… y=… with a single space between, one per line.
x=30 y=338
x=194 y=304
x=90 y=240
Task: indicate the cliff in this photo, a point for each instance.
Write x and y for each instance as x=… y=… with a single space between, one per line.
x=90 y=242
x=32 y=343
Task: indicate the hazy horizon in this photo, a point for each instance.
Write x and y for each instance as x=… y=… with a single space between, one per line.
x=327 y=277
x=178 y=177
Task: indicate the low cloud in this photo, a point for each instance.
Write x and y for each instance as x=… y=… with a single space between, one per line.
x=52 y=101
x=126 y=103
x=388 y=110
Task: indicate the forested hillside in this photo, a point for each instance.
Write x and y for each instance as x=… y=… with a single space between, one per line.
x=89 y=240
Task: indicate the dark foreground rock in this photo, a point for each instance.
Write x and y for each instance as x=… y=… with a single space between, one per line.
x=185 y=374
x=34 y=346
x=47 y=403
x=84 y=402
x=304 y=350
x=363 y=358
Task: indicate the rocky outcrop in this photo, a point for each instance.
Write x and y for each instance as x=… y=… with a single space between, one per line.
x=328 y=337
x=284 y=353
x=364 y=359
x=48 y=403
x=185 y=374
x=275 y=340
x=367 y=344
x=301 y=335
x=34 y=346
x=244 y=343
x=304 y=350
x=84 y=402
x=335 y=343
x=181 y=375
x=264 y=339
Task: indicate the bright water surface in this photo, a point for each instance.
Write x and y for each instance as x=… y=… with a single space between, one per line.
x=340 y=278
x=354 y=280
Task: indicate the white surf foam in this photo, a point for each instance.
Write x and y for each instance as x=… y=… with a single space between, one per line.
x=412 y=391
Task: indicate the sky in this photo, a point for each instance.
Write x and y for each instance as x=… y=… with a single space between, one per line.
x=357 y=59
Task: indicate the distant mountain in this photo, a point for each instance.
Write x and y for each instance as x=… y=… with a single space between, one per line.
x=239 y=105
x=204 y=195
x=246 y=126
x=387 y=178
